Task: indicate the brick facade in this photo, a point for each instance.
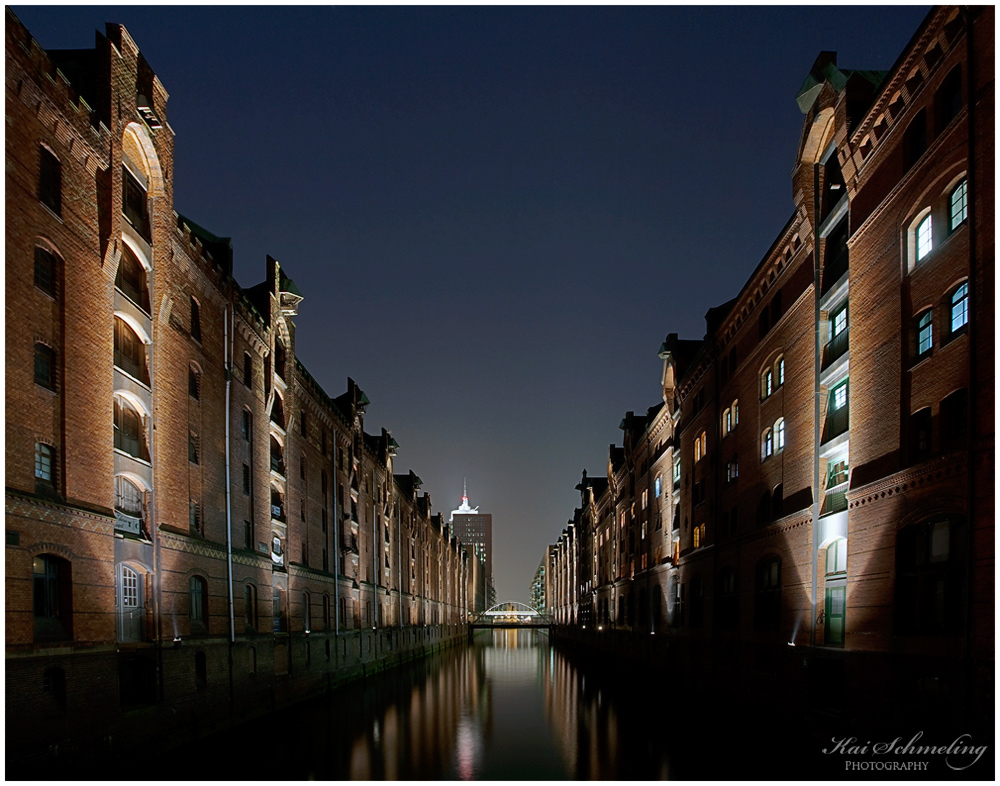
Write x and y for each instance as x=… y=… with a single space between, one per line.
x=196 y=531
x=848 y=509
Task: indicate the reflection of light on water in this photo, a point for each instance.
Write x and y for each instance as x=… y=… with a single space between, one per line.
x=468 y=744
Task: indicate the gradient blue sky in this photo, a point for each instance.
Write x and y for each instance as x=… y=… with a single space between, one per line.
x=495 y=214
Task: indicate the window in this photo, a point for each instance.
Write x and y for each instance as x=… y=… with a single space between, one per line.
x=766 y=445
x=780 y=371
x=954 y=419
x=131 y=279
x=925 y=237
x=836 y=557
x=958 y=309
x=838 y=321
x=677 y=473
x=766 y=383
x=195 y=320
x=657 y=486
x=779 y=434
x=50 y=181
x=925 y=333
x=194 y=382
x=735 y=409
x=193 y=447
x=306 y=613
x=246 y=478
x=700 y=446
x=44 y=468
x=130 y=352
x=948 y=101
x=128 y=497
x=676 y=602
x=915 y=141
x=194 y=516
x=835 y=597
x=247 y=424
x=920 y=433
x=134 y=203
x=645 y=498
x=53 y=598
x=930 y=575
x=247 y=370
x=326 y=614
x=727 y=421
x=732 y=469
x=130 y=432
x=958 y=209
x=45 y=271
x=45 y=366
x=767 y=599
x=838 y=397
x=278 y=609
x=198 y=603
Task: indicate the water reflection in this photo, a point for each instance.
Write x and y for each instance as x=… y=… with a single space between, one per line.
x=507 y=707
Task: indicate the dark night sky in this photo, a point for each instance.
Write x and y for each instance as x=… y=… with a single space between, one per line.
x=495 y=214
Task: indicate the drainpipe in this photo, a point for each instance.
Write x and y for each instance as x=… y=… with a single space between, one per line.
x=336 y=543
x=817 y=435
x=227 y=338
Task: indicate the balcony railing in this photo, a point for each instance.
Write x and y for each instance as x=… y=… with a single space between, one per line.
x=834 y=270
x=837 y=421
x=835 y=348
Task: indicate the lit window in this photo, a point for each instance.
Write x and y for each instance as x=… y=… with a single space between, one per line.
x=736 y=412
x=767 y=384
x=767 y=445
x=43 y=462
x=781 y=371
x=198 y=597
x=838 y=323
x=727 y=420
x=925 y=333
x=960 y=308
x=658 y=486
x=958 y=206
x=779 y=434
x=839 y=397
x=924 y=237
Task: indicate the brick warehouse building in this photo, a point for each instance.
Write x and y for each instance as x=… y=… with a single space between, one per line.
x=821 y=470
x=196 y=531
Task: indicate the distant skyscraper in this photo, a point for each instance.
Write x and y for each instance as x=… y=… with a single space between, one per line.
x=475 y=531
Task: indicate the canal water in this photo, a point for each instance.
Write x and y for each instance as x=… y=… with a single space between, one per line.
x=507 y=707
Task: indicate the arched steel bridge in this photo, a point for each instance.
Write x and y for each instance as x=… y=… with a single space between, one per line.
x=510 y=614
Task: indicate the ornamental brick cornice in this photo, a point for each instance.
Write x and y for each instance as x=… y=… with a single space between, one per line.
x=189 y=545
x=909 y=479
x=41 y=509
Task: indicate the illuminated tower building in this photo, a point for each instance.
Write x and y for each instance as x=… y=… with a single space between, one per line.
x=475 y=531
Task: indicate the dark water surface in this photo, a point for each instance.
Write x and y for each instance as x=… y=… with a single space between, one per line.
x=507 y=707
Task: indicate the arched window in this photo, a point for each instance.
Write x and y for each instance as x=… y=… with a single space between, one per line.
x=279 y=358
x=198 y=604
x=130 y=352
x=779 y=434
x=925 y=333
x=194 y=382
x=131 y=279
x=915 y=140
x=948 y=99
x=735 y=408
x=53 y=597
x=958 y=207
x=130 y=430
x=727 y=421
x=925 y=237
x=766 y=383
x=958 y=308
x=779 y=371
x=278 y=412
x=766 y=445
x=134 y=205
x=277 y=460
